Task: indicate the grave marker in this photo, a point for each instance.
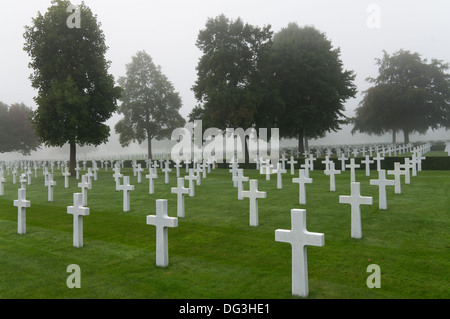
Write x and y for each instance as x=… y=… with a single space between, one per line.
x=382 y=182
x=191 y=177
x=355 y=200
x=162 y=222
x=332 y=171
x=397 y=172
x=253 y=194
x=239 y=179
x=78 y=211
x=151 y=176
x=180 y=190
x=84 y=187
x=299 y=238
x=352 y=167
x=66 y=175
x=21 y=203
x=50 y=183
x=126 y=188
x=302 y=180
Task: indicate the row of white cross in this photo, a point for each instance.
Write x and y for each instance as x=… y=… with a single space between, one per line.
x=298 y=236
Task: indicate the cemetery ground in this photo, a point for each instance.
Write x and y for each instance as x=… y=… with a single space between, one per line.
x=214 y=252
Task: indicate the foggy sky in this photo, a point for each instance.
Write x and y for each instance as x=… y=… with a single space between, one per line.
x=167 y=31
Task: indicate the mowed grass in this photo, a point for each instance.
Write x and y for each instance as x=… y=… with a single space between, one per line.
x=214 y=253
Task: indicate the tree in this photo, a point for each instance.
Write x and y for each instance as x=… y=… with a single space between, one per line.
x=308 y=77
x=16 y=131
x=150 y=104
x=229 y=72
x=76 y=95
x=409 y=94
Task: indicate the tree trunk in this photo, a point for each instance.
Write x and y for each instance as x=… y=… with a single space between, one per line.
x=394 y=136
x=301 y=147
x=306 y=143
x=149 y=147
x=406 y=136
x=73 y=158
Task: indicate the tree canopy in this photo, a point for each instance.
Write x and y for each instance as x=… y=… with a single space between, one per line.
x=76 y=95
x=229 y=72
x=308 y=75
x=150 y=104
x=409 y=95
x=16 y=131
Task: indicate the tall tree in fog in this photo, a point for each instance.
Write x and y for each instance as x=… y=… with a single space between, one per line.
x=311 y=86
x=150 y=104
x=409 y=94
x=76 y=95
x=229 y=78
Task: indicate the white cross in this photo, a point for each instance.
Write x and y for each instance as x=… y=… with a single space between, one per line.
x=66 y=175
x=89 y=175
x=50 y=183
x=406 y=166
x=332 y=171
x=2 y=185
x=117 y=175
x=240 y=178
x=306 y=166
x=186 y=163
x=204 y=166
x=180 y=190
x=191 y=177
x=78 y=211
x=21 y=203
x=343 y=159
x=311 y=161
x=280 y=171
x=177 y=166
x=253 y=194
x=14 y=174
x=382 y=182
x=327 y=163
x=352 y=167
x=151 y=175
x=302 y=179
x=397 y=172
x=367 y=161
x=292 y=162
x=268 y=169
x=139 y=170
x=77 y=170
x=198 y=170
x=233 y=170
x=299 y=238
x=84 y=187
x=378 y=160
x=355 y=200
x=162 y=221
x=95 y=169
x=23 y=181
x=126 y=188
x=166 y=171
x=283 y=160
x=29 y=173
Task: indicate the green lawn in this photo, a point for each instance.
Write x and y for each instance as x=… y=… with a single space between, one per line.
x=214 y=253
